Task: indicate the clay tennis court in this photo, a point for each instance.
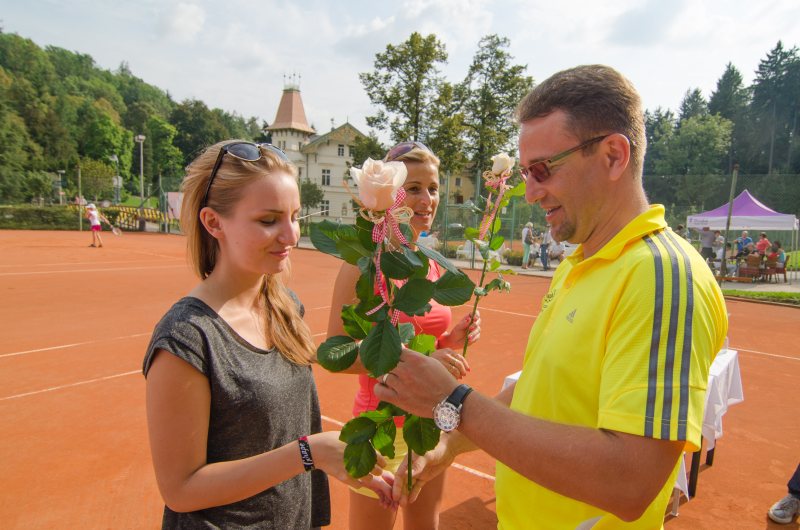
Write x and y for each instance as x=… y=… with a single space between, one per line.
x=75 y=322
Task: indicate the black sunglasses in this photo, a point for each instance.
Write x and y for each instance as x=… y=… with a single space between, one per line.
x=541 y=171
x=247 y=151
x=403 y=148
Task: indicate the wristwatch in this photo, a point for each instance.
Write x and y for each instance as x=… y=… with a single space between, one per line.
x=447 y=414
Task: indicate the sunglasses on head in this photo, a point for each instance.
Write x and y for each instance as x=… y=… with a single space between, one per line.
x=541 y=171
x=403 y=148
x=247 y=151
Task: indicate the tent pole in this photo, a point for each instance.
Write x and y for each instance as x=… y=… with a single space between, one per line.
x=723 y=272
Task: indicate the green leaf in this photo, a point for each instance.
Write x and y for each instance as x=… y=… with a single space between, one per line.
x=324 y=238
x=337 y=353
x=351 y=250
x=355 y=326
x=496 y=224
x=494 y=265
x=406 y=331
x=413 y=296
x=396 y=265
x=393 y=409
x=480 y=291
x=384 y=437
x=364 y=231
x=498 y=284
x=471 y=233
x=497 y=242
x=421 y=271
x=380 y=351
x=406 y=230
x=438 y=258
x=421 y=434
x=516 y=191
x=358 y=430
x=453 y=289
x=422 y=343
x=359 y=459
x=378 y=415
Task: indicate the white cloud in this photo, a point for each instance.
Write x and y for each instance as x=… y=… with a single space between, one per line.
x=182 y=22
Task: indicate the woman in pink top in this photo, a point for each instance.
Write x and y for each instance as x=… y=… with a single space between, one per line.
x=763 y=244
x=422 y=196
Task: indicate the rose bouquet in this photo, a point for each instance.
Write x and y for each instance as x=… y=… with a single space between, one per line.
x=393 y=280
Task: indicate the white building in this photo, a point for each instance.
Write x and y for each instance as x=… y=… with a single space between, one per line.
x=323 y=159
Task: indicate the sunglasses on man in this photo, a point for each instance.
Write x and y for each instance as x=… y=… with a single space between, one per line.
x=247 y=151
x=542 y=170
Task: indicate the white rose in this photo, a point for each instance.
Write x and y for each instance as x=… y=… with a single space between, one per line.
x=502 y=162
x=378 y=183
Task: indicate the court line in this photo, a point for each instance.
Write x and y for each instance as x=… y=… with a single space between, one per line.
x=75 y=263
x=73 y=345
x=94 y=270
x=79 y=383
x=464 y=468
x=508 y=312
x=766 y=354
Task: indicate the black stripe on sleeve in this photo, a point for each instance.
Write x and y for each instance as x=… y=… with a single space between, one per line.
x=652 y=375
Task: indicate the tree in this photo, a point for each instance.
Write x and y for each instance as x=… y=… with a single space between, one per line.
x=96 y=178
x=311 y=196
x=405 y=85
x=693 y=104
x=167 y=160
x=197 y=128
x=367 y=147
x=447 y=137
x=729 y=100
x=491 y=90
x=776 y=95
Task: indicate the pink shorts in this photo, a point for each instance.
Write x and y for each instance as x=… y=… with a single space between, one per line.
x=96 y=228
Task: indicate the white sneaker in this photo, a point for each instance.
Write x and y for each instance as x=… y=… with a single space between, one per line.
x=785 y=510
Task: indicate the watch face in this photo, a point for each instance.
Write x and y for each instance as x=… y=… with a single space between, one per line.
x=446 y=416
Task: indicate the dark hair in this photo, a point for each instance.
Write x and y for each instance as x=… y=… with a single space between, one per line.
x=597 y=99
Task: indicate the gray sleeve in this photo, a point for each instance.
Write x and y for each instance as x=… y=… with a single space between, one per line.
x=180 y=335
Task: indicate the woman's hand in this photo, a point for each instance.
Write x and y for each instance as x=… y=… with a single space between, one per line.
x=455 y=363
x=423 y=469
x=467 y=328
x=327 y=451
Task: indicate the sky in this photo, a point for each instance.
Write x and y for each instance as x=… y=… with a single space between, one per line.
x=236 y=54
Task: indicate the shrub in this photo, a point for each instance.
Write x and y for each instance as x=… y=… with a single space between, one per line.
x=39 y=218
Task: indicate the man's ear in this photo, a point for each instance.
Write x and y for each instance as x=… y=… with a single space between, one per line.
x=212 y=222
x=617 y=155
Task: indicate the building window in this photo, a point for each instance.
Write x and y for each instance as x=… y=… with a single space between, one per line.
x=458 y=182
x=350 y=150
x=340 y=150
x=326 y=177
x=344 y=209
x=325 y=206
x=299 y=173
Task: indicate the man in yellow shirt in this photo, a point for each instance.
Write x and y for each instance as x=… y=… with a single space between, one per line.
x=614 y=375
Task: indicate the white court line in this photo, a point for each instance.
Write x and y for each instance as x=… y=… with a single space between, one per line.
x=73 y=345
x=95 y=263
x=507 y=312
x=766 y=354
x=469 y=470
x=94 y=270
x=321 y=307
x=52 y=388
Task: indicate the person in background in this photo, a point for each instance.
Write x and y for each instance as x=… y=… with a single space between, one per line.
x=232 y=410
x=527 y=243
x=547 y=240
x=742 y=242
x=557 y=252
x=592 y=433
x=95 y=217
x=785 y=510
x=763 y=244
x=682 y=231
x=422 y=196
x=776 y=253
x=719 y=244
x=707 y=239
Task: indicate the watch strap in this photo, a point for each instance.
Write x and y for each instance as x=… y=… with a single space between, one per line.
x=457 y=397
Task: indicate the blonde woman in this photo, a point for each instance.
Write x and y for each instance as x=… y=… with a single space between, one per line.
x=422 y=197
x=232 y=409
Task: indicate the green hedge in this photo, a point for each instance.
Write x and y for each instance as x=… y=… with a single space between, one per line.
x=38 y=218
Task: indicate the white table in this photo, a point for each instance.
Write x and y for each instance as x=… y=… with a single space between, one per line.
x=724 y=389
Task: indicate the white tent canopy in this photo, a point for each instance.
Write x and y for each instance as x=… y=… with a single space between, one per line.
x=748 y=214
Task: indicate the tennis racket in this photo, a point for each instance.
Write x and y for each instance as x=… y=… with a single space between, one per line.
x=116 y=231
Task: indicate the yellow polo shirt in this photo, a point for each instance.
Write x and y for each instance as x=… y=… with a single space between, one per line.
x=623 y=342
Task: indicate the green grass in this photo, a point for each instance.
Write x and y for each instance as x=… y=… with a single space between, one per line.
x=783 y=298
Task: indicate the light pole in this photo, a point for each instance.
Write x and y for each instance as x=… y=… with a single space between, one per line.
x=60 y=185
x=114 y=158
x=140 y=138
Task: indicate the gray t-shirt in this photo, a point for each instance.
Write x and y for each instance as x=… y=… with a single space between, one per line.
x=259 y=402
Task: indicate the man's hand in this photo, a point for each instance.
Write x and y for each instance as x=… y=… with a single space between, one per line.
x=416 y=384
